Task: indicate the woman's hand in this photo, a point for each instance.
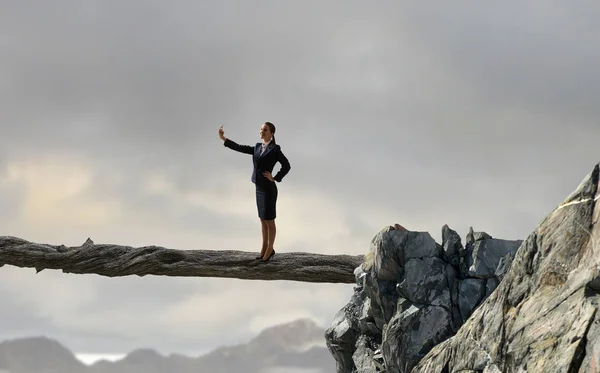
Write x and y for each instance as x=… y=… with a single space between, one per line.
x=267 y=174
x=222 y=133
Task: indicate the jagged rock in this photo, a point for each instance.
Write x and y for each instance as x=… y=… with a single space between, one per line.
x=480 y=236
x=378 y=360
x=426 y=282
x=342 y=335
x=364 y=356
x=543 y=317
x=467 y=255
x=367 y=321
x=487 y=254
x=382 y=297
x=359 y=274
x=451 y=245
x=504 y=266
x=473 y=237
x=409 y=297
x=413 y=330
x=471 y=292
x=453 y=283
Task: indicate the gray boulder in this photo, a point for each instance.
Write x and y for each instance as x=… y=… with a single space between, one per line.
x=411 y=295
x=412 y=330
x=487 y=254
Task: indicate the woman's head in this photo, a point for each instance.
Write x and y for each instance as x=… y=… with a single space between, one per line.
x=267 y=131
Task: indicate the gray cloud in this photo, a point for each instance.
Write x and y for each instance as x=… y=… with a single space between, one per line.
x=11 y=198
x=537 y=57
x=20 y=318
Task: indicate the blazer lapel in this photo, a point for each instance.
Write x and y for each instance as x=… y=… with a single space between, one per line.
x=267 y=150
x=257 y=150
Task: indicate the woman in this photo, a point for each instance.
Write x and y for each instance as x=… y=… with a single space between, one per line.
x=264 y=157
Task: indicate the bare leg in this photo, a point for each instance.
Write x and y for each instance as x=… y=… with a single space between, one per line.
x=265 y=236
x=272 y=230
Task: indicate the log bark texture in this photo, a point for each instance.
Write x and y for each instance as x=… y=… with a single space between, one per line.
x=113 y=260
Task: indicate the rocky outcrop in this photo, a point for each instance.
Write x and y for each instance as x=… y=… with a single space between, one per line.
x=489 y=306
x=543 y=316
x=413 y=293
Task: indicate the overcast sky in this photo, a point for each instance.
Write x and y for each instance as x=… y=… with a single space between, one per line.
x=466 y=114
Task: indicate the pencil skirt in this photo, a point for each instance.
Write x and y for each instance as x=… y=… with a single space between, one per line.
x=266 y=200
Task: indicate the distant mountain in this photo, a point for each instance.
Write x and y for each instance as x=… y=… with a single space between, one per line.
x=296 y=347
x=37 y=355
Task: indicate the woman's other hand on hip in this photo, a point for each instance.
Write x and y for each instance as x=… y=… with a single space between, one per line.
x=268 y=175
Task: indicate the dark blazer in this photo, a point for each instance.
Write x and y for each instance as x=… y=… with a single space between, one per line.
x=264 y=162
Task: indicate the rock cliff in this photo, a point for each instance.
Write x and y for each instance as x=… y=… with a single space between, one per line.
x=491 y=305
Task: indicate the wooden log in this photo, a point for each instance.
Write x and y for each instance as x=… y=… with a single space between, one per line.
x=113 y=260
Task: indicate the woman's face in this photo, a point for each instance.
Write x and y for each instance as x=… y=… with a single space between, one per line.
x=265 y=132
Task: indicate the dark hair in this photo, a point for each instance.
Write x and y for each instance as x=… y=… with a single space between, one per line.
x=272 y=129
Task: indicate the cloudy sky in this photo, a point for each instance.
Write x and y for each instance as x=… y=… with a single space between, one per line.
x=466 y=114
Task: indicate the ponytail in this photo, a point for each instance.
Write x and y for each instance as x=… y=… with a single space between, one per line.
x=272 y=128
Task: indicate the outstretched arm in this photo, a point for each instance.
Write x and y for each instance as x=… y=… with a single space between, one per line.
x=237 y=147
x=285 y=166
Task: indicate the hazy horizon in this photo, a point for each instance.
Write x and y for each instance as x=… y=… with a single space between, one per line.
x=89 y=359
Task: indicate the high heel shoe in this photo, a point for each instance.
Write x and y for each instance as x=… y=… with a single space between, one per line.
x=261 y=255
x=269 y=258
